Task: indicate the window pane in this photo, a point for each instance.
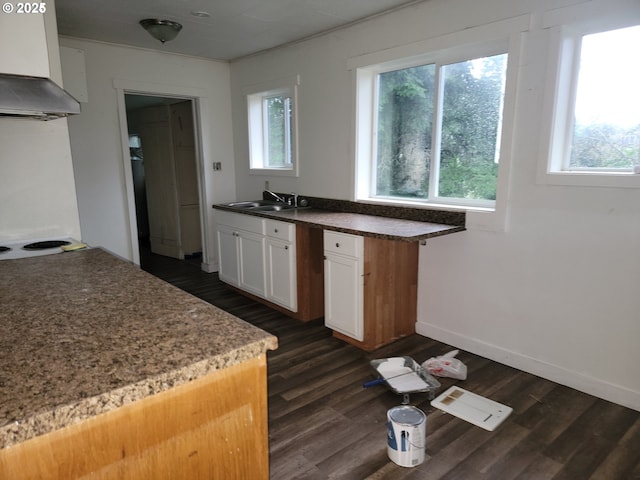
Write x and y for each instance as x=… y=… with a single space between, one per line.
x=606 y=130
x=471 y=123
x=278 y=116
x=405 y=116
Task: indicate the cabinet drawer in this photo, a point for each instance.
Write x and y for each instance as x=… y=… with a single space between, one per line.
x=281 y=230
x=343 y=243
x=240 y=221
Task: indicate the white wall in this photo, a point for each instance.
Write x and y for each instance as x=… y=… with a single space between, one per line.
x=37 y=191
x=96 y=134
x=554 y=293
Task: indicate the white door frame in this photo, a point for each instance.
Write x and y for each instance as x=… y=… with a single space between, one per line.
x=197 y=97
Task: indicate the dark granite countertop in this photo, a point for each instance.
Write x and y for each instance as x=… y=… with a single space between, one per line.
x=379 y=226
x=83 y=333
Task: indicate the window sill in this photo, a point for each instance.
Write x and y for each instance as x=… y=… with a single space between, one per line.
x=430 y=205
x=282 y=172
x=587 y=179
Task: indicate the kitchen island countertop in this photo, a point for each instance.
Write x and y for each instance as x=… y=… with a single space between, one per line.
x=83 y=333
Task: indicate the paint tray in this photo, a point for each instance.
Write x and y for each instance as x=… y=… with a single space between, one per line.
x=403 y=375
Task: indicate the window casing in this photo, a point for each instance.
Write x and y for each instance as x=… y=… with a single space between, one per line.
x=447 y=150
x=272 y=123
x=585 y=146
x=505 y=36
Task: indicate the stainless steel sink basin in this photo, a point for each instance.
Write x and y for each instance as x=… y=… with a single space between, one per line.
x=249 y=204
x=272 y=208
x=260 y=205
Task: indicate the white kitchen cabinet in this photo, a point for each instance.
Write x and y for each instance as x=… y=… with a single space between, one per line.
x=274 y=262
x=251 y=256
x=24 y=40
x=343 y=283
x=228 y=255
x=281 y=264
x=241 y=247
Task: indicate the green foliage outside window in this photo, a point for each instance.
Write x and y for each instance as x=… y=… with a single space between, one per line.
x=469 y=135
x=606 y=130
x=278 y=136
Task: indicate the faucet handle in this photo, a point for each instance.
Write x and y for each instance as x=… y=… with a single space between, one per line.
x=294 y=197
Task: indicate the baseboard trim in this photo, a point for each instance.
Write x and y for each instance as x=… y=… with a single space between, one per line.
x=209 y=267
x=590 y=385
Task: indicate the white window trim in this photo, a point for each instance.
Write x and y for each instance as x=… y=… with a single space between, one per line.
x=256 y=124
x=566 y=27
x=481 y=39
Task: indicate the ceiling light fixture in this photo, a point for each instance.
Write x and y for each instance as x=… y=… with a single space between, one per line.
x=200 y=14
x=163 y=30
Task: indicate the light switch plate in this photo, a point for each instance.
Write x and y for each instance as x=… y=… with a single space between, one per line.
x=473 y=408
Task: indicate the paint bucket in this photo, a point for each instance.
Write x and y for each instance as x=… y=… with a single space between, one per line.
x=406 y=435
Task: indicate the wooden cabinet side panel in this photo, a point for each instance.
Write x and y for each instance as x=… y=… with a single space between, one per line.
x=390 y=290
x=214 y=427
x=310 y=272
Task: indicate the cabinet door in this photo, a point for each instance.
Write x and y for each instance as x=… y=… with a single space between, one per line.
x=251 y=263
x=228 y=255
x=281 y=274
x=343 y=290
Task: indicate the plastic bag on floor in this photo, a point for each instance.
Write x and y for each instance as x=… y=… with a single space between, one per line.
x=446 y=366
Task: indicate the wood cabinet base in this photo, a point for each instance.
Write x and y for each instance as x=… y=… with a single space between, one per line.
x=390 y=292
x=213 y=427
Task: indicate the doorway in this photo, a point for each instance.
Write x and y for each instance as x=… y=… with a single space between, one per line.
x=162 y=146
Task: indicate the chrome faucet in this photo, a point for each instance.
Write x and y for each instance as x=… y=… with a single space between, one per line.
x=276 y=196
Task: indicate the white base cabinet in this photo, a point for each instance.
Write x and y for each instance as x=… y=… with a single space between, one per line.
x=241 y=244
x=343 y=283
x=281 y=264
x=258 y=256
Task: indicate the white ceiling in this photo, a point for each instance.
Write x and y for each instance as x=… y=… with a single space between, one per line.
x=235 y=28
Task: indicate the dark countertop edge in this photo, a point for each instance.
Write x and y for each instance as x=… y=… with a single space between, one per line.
x=446 y=229
x=67 y=415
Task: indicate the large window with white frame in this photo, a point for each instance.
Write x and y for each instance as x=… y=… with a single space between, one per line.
x=271 y=109
x=437 y=130
x=430 y=126
x=593 y=105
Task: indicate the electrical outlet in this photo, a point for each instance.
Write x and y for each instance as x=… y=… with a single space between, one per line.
x=266 y=184
x=217 y=166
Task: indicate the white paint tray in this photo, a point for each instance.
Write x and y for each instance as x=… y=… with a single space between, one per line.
x=403 y=375
x=473 y=408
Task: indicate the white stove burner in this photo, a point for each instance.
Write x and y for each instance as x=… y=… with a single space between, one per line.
x=17 y=249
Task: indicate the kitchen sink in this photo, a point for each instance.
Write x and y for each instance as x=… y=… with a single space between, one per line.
x=273 y=208
x=260 y=205
x=250 y=204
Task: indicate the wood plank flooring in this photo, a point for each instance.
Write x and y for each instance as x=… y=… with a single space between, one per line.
x=324 y=425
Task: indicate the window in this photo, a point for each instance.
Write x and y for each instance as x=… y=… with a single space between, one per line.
x=594 y=109
x=434 y=122
x=438 y=130
x=272 y=128
x=606 y=120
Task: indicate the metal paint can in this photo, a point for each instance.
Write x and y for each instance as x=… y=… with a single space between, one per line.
x=406 y=435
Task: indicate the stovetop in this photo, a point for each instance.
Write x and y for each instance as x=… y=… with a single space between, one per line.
x=14 y=249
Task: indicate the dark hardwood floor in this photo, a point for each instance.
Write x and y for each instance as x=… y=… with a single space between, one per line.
x=324 y=425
